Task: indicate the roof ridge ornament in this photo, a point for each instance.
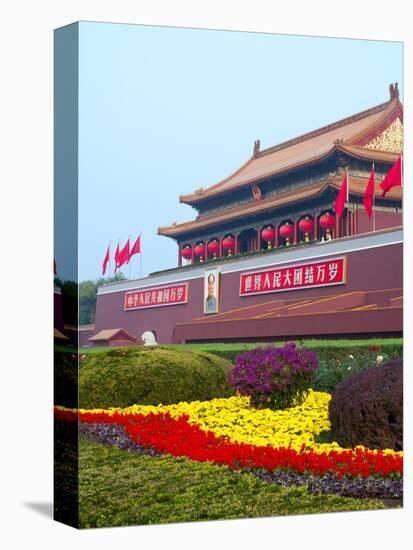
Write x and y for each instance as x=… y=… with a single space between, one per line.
x=394 y=91
x=257 y=148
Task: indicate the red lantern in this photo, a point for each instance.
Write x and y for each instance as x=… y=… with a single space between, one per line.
x=268 y=235
x=286 y=231
x=327 y=221
x=200 y=251
x=213 y=248
x=186 y=253
x=306 y=226
x=229 y=244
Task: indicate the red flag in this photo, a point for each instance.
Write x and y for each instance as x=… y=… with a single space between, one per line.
x=369 y=194
x=393 y=177
x=124 y=255
x=136 y=248
x=342 y=197
x=105 y=262
x=117 y=258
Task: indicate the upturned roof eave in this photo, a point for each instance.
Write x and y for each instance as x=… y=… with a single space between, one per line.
x=178 y=230
x=353 y=150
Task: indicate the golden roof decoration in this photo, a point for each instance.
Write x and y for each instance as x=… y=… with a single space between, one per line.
x=389 y=140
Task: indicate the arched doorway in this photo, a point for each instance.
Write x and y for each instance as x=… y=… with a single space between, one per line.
x=247 y=241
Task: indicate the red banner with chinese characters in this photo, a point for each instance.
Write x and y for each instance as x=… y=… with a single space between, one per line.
x=165 y=296
x=294 y=277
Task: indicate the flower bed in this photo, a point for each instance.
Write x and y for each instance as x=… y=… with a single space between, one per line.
x=229 y=432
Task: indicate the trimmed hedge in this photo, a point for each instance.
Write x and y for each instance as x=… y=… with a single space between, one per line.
x=150 y=376
x=367 y=408
x=336 y=365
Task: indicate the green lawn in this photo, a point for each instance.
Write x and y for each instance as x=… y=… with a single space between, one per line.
x=118 y=487
x=312 y=344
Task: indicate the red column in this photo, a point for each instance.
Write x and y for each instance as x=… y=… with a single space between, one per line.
x=295 y=231
x=337 y=231
x=220 y=246
x=179 y=256
x=236 y=243
x=193 y=254
x=259 y=242
x=276 y=243
x=315 y=228
x=355 y=220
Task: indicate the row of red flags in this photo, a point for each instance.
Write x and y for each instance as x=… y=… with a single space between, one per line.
x=123 y=255
x=393 y=178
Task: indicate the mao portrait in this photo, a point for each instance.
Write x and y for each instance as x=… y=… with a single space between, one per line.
x=211 y=291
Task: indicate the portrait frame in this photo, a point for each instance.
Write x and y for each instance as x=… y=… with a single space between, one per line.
x=210 y=309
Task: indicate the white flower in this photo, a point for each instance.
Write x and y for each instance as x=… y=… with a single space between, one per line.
x=379 y=359
x=351 y=356
x=348 y=368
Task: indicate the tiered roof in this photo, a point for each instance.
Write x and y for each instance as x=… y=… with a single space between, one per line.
x=350 y=135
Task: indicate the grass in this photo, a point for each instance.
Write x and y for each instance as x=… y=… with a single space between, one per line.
x=242 y=346
x=119 y=488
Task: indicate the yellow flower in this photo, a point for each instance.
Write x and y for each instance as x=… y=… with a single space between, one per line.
x=234 y=418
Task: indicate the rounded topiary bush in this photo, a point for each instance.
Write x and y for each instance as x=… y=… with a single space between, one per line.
x=273 y=377
x=367 y=408
x=150 y=376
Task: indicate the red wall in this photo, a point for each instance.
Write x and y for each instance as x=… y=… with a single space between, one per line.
x=367 y=269
x=383 y=220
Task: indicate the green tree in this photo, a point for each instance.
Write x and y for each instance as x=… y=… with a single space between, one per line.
x=87 y=297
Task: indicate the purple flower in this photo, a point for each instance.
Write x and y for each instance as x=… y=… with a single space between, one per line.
x=274 y=376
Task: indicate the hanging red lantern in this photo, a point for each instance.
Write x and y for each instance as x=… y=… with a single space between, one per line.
x=306 y=226
x=213 y=248
x=186 y=253
x=229 y=244
x=327 y=221
x=286 y=231
x=200 y=251
x=268 y=235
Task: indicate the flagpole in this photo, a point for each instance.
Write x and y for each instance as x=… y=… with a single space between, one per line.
x=129 y=257
x=110 y=263
x=115 y=258
x=348 y=195
x=374 y=198
x=140 y=254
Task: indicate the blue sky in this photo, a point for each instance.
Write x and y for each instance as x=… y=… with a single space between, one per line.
x=164 y=111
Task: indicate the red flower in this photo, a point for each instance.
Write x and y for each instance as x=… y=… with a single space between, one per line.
x=180 y=438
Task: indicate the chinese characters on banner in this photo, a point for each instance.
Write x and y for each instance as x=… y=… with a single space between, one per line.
x=325 y=273
x=166 y=296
